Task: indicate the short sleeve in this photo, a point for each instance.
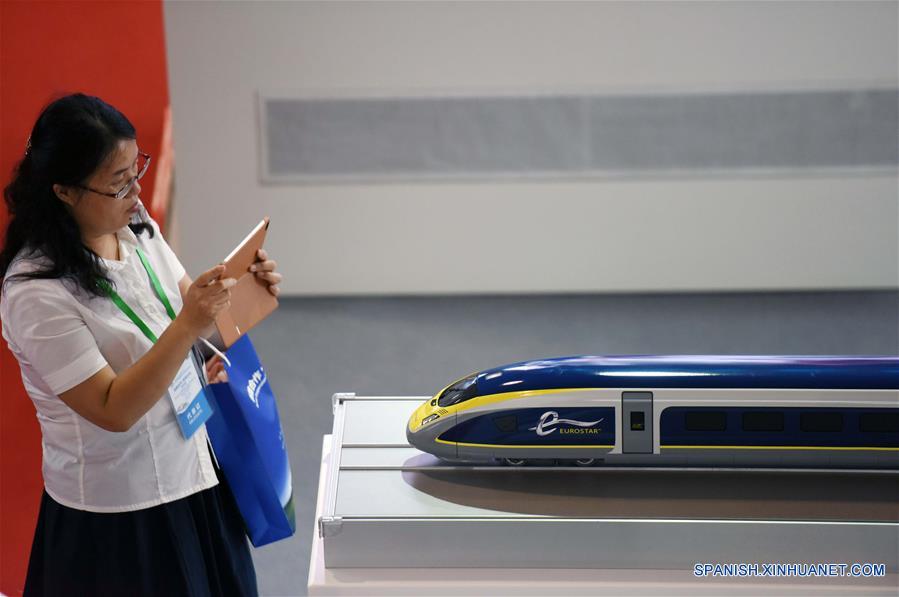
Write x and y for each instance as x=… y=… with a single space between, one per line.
x=49 y=332
x=171 y=261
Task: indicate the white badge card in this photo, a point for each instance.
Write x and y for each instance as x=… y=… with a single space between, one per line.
x=188 y=398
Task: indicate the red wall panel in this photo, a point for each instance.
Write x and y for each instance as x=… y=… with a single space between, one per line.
x=116 y=51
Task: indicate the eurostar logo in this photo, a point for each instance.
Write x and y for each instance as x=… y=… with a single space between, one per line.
x=550 y=419
x=254 y=385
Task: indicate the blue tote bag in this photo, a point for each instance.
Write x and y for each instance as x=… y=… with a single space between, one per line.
x=246 y=435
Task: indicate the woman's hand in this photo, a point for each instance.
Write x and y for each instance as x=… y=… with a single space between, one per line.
x=215 y=370
x=205 y=299
x=265 y=270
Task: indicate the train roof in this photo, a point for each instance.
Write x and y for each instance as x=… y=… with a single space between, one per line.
x=698 y=371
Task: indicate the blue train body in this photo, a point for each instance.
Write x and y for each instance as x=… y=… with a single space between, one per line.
x=752 y=411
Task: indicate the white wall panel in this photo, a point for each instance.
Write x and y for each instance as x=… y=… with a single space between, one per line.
x=763 y=232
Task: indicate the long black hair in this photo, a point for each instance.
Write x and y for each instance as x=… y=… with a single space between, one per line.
x=70 y=140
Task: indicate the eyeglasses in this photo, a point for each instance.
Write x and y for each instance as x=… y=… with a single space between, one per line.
x=143 y=162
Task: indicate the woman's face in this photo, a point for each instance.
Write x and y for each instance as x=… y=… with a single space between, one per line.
x=98 y=214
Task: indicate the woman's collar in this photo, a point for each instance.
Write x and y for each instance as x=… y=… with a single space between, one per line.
x=127 y=242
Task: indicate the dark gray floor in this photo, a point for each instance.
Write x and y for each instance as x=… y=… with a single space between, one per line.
x=313 y=348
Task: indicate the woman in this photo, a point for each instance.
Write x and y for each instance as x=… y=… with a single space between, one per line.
x=132 y=505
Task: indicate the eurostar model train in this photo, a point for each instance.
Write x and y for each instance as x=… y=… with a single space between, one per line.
x=680 y=411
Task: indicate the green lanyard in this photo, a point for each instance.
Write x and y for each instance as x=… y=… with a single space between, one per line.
x=160 y=294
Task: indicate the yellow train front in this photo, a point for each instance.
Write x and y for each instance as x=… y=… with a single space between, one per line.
x=743 y=411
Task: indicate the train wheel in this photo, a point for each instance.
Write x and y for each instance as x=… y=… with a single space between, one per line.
x=585 y=461
x=515 y=461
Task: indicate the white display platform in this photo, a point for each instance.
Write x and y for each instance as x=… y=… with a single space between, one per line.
x=391 y=520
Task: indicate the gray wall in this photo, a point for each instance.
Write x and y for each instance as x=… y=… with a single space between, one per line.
x=783 y=226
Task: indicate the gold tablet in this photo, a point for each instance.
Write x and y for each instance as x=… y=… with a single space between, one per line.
x=251 y=302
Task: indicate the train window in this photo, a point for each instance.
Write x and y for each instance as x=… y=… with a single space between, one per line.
x=763 y=421
x=879 y=422
x=462 y=390
x=705 y=421
x=821 y=421
x=638 y=420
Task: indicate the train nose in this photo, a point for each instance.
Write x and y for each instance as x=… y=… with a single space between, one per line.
x=423 y=415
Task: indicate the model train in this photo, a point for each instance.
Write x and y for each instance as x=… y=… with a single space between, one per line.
x=727 y=411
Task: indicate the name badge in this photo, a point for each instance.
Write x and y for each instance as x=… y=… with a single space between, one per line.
x=188 y=398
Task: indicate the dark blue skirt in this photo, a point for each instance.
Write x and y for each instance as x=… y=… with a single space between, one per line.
x=195 y=546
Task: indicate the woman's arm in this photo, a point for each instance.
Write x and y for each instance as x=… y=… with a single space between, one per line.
x=117 y=402
x=214 y=368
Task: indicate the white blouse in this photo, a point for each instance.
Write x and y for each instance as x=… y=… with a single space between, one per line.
x=61 y=338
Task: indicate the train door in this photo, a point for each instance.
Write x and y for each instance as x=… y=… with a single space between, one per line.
x=636 y=422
